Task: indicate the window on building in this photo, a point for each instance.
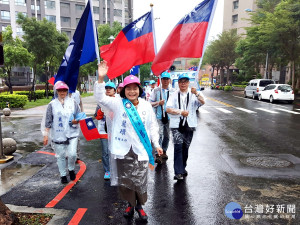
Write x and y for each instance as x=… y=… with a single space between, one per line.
x=108 y=13
x=79 y=8
x=65 y=6
x=96 y=10
x=118 y=1
x=235 y=18
x=97 y=22
x=20 y=2
x=23 y=13
x=37 y=7
x=177 y=62
x=4 y=2
x=236 y=4
x=49 y=4
x=5 y=15
x=68 y=33
x=51 y=18
x=65 y=19
x=77 y=21
x=117 y=12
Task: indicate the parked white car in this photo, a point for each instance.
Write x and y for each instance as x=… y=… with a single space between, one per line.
x=255 y=86
x=274 y=92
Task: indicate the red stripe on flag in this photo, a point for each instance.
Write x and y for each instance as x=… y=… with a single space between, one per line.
x=89 y=134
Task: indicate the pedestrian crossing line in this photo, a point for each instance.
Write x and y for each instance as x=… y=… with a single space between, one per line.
x=203 y=111
x=289 y=111
x=245 y=110
x=266 y=110
x=223 y=110
x=298 y=109
x=223 y=103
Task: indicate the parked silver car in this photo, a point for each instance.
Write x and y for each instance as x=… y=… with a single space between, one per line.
x=274 y=92
x=254 y=87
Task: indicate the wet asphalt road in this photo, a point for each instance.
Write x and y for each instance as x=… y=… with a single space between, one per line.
x=231 y=131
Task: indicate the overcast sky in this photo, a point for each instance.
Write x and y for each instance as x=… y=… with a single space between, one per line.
x=169 y=12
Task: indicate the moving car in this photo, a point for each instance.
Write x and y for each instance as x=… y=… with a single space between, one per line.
x=273 y=92
x=254 y=87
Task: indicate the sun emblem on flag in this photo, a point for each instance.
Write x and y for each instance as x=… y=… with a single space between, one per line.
x=128 y=105
x=90 y=124
x=139 y=25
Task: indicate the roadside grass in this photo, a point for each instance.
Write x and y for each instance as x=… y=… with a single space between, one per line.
x=45 y=101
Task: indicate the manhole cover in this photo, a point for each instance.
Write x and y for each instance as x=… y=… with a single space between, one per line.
x=266 y=162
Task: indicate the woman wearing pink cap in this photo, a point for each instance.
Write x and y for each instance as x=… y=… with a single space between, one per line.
x=134 y=127
x=63 y=133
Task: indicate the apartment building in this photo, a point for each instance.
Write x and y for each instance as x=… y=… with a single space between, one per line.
x=64 y=13
x=236 y=13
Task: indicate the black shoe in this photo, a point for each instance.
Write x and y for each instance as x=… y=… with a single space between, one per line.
x=141 y=213
x=129 y=211
x=178 y=177
x=64 y=180
x=185 y=173
x=72 y=175
x=164 y=155
x=158 y=159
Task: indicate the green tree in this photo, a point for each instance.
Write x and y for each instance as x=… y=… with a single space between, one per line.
x=105 y=31
x=42 y=40
x=14 y=54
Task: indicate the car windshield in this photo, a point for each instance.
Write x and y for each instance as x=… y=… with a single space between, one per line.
x=284 y=88
x=264 y=83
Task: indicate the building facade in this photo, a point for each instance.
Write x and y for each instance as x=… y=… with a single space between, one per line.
x=64 y=13
x=236 y=13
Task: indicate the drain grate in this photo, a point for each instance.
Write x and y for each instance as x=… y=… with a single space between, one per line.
x=266 y=162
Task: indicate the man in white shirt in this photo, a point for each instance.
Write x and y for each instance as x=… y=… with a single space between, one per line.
x=182 y=107
x=158 y=100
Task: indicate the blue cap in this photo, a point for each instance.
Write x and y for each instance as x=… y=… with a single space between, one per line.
x=152 y=82
x=165 y=75
x=184 y=75
x=110 y=84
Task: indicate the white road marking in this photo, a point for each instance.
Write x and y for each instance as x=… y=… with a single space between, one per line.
x=223 y=110
x=289 y=111
x=203 y=111
x=266 y=110
x=245 y=110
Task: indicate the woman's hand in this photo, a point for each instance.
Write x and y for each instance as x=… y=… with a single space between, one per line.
x=45 y=142
x=159 y=151
x=75 y=122
x=102 y=71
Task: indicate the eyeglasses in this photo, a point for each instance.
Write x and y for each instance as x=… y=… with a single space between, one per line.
x=183 y=81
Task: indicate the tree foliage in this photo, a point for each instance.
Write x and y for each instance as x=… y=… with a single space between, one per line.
x=14 y=54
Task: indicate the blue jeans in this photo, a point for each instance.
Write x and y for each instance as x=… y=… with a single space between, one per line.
x=182 y=143
x=105 y=154
x=62 y=151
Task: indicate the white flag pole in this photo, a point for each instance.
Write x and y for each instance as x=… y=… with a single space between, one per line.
x=94 y=31
x=155 y=51
x=206 y=37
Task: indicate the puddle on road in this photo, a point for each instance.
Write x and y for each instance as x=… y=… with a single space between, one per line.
x=12 y=176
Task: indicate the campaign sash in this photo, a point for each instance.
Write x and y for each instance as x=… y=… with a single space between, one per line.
x=138 y=127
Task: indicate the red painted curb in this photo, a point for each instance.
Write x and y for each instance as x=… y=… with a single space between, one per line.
x=68 y=187
x=78 y=216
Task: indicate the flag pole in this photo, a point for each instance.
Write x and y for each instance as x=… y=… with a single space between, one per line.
x=155 y=50
x=94 y=32
x=206 y=38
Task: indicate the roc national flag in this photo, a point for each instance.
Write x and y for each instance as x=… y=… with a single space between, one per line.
x=134 y=45
x=187 y=38
x=89 y=129
x=82 y=49
x=134 y=70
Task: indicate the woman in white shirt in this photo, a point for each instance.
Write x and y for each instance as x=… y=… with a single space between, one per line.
x=134 y=127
